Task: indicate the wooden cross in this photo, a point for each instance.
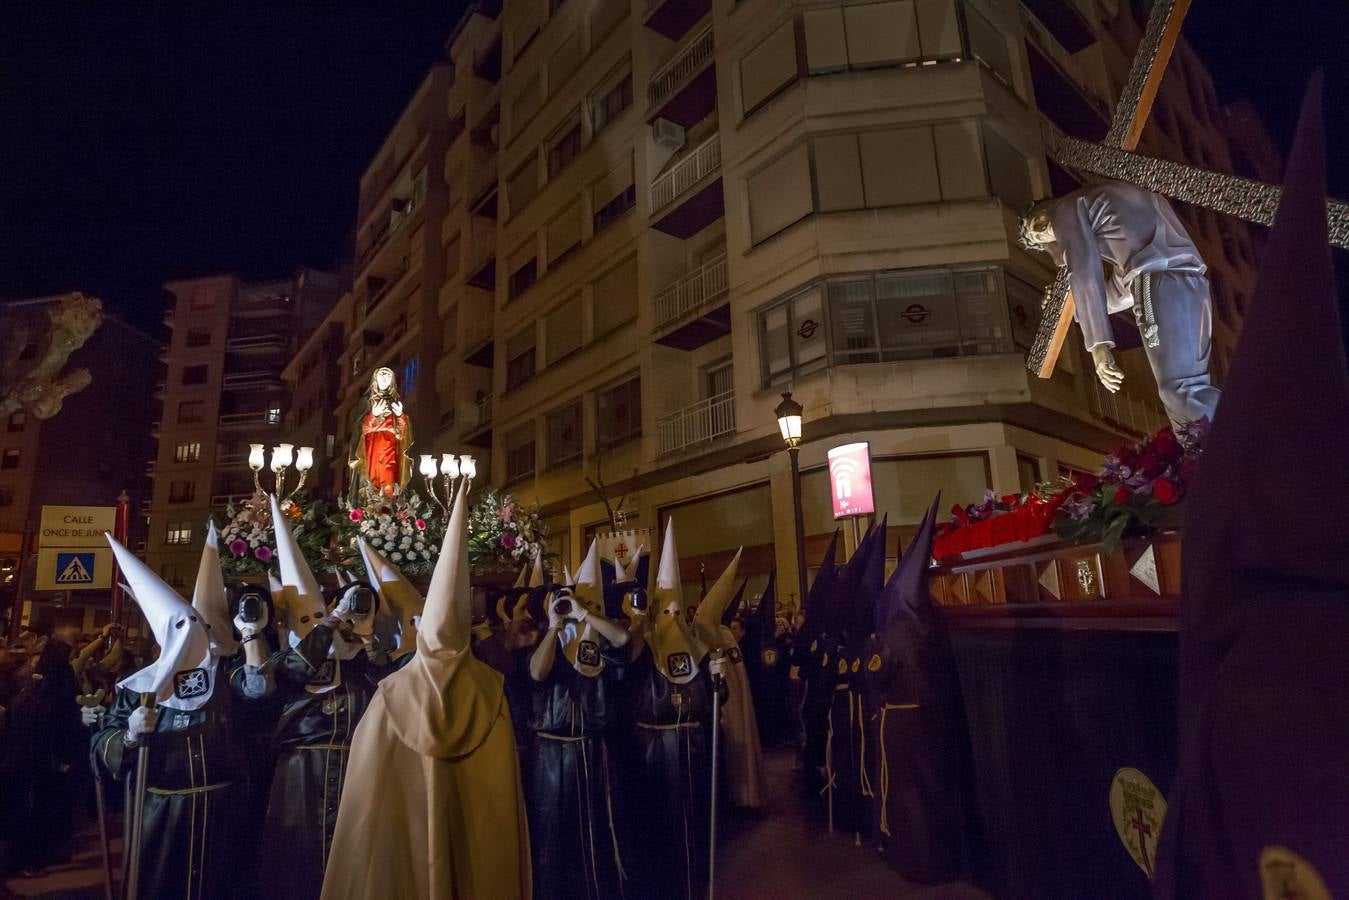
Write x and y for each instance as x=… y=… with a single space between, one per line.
x=1252 y=201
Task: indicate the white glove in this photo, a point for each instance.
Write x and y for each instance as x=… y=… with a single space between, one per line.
x=554 y=620
x=141 y=721
x=90 y=715
x=248 y=629
x=716 y=665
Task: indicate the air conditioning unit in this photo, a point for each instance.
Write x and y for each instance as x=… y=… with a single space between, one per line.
x=668 y=134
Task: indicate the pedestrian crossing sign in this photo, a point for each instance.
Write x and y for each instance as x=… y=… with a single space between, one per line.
x=75 y=569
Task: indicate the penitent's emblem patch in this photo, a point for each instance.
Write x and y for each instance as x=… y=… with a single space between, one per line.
x=1138 y=809
x=588 y=653
x=1286 y=876
x=190 y=683
x=874 y=664
x=734 y=654
x=769 y=657
x=679 y=664
x=324 y=673
x=843 y=667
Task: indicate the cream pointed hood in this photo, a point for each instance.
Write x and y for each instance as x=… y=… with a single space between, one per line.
x=300 y=594
x=675 y=648
x=447 y=615
x=396 y=593
x=580 y=643
x=707 y=621
x=536 y=576
x=208 y=596
x=183 y=677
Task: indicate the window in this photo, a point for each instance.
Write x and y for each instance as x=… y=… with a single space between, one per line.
x=895 y=167
x=618 y=414
x=6 y=496
x=174 y=574
x=523 y=185
x=613 y=195
x=615 y=297
x=190 y=411
x=526 y=104
x=410 y=370
x=768 y=67
x=198 y=338
x=182 y=491
x=606 y=107
x=564 y=62
x=520 y=453
x=1008 y=172
x=564 y=148
x=17 y=421
x=524 y=273
x=178 y=533
x=9 y=459
x=274 y=414
x=719 y=379
x=196 y=374
x=779 y=194
x=603 y=19
x=988 y=44
x=562 y=331
x=564 y=234
x=564 y=435
x=884 y=317
x=867 y=35
x=520 y=357
x=187 y=451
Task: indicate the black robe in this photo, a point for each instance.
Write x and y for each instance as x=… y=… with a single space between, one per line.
x=674 y=784
x=850 y=794
x=196 y=795
x=310 y=744
x=577 y=845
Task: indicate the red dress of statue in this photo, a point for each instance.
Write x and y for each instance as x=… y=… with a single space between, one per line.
x=385 y=435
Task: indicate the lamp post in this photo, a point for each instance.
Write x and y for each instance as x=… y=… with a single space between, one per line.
x=788 y=413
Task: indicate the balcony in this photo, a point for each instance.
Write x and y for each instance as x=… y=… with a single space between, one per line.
x=262 y=379
x=263 y=306
x=686 y=197
x=259 y=417
x=220 y=501
x=150 y=468
x=673 y=18
x=1123 y=411
x=694 y=308
x=1063 y=100
x=698 y=423
x=477 y=343
x=227 y=460
x=684 y=90
x=256 y=343
x=477 y=419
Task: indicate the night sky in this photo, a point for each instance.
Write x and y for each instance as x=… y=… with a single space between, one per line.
x=144 y=142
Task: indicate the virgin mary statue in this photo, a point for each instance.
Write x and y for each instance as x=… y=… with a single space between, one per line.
x=381 y=452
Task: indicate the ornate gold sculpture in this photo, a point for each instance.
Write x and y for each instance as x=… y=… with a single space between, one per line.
x=41 y=390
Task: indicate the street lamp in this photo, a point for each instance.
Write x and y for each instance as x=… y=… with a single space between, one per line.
x=788 y=413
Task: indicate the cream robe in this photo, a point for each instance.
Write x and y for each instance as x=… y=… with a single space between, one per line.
x=432 y=805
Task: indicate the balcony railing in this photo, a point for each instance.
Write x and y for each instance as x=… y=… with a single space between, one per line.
x=259 y=417
x=226 y=460
x=697 y=423
x=256 y=342
x=484 y=411
x=688 y=60
x=696 y=165
x=705 y=283
x=246 y=380
x=1123 y=411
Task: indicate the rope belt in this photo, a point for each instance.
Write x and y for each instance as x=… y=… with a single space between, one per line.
x=885 y=766
x=674 y=727
x=1143 y=313
x=324 y=747
x=163 y=792
x=564 y=738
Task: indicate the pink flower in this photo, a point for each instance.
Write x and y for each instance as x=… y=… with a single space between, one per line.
x=421 y=524
x=238 y=547
x=508 y=541
x=263 y=553
x=507 y=512
x=357 y=515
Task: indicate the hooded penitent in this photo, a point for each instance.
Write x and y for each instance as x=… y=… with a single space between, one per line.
x=580 y=644
x=740 y=731
x=209 y=598
x=766 y=661
x=808 y=660
x=197 y=756
x=183 y=677
x=675 y=646
x=433 y=805
x=1259 y=807
x=396 y=594
x=854 y=597
x=300 y=594
x=916 y=746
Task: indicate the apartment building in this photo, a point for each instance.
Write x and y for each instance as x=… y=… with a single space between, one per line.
x=647 y=220
x=229 y=342
x=95 y=448
x=314 y=382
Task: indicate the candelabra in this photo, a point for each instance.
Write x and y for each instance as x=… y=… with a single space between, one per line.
x=283 y=456
x=455 y=471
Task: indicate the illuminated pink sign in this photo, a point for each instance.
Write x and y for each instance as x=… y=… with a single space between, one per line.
x=850 y=480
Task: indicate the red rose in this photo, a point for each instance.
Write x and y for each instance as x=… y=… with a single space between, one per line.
x=1011 y=499
x=1165 y=490
x=1121 y=494
x=1152 y=465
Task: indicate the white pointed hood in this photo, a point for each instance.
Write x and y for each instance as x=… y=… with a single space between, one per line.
x=209 y=599
x=300 y=594
x=183 y=677
x=675 y=648
x=447 y=615
x=580 y=643
x=396 y=594
x=536 y=576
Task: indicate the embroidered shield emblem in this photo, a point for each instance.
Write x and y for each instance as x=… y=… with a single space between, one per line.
x=190 y=683
x=843 y=667
x=874 y=664
x=324 y=674
x=679 y=664
x=588 y=653
x=770 y=657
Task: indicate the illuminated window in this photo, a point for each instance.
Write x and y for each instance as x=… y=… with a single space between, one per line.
x=187 y=451
x=178 y=533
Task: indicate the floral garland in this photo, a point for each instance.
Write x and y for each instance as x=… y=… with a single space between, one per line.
x=1140 y=487
x=504 y=532
x=404 y=528
x=248 y=541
